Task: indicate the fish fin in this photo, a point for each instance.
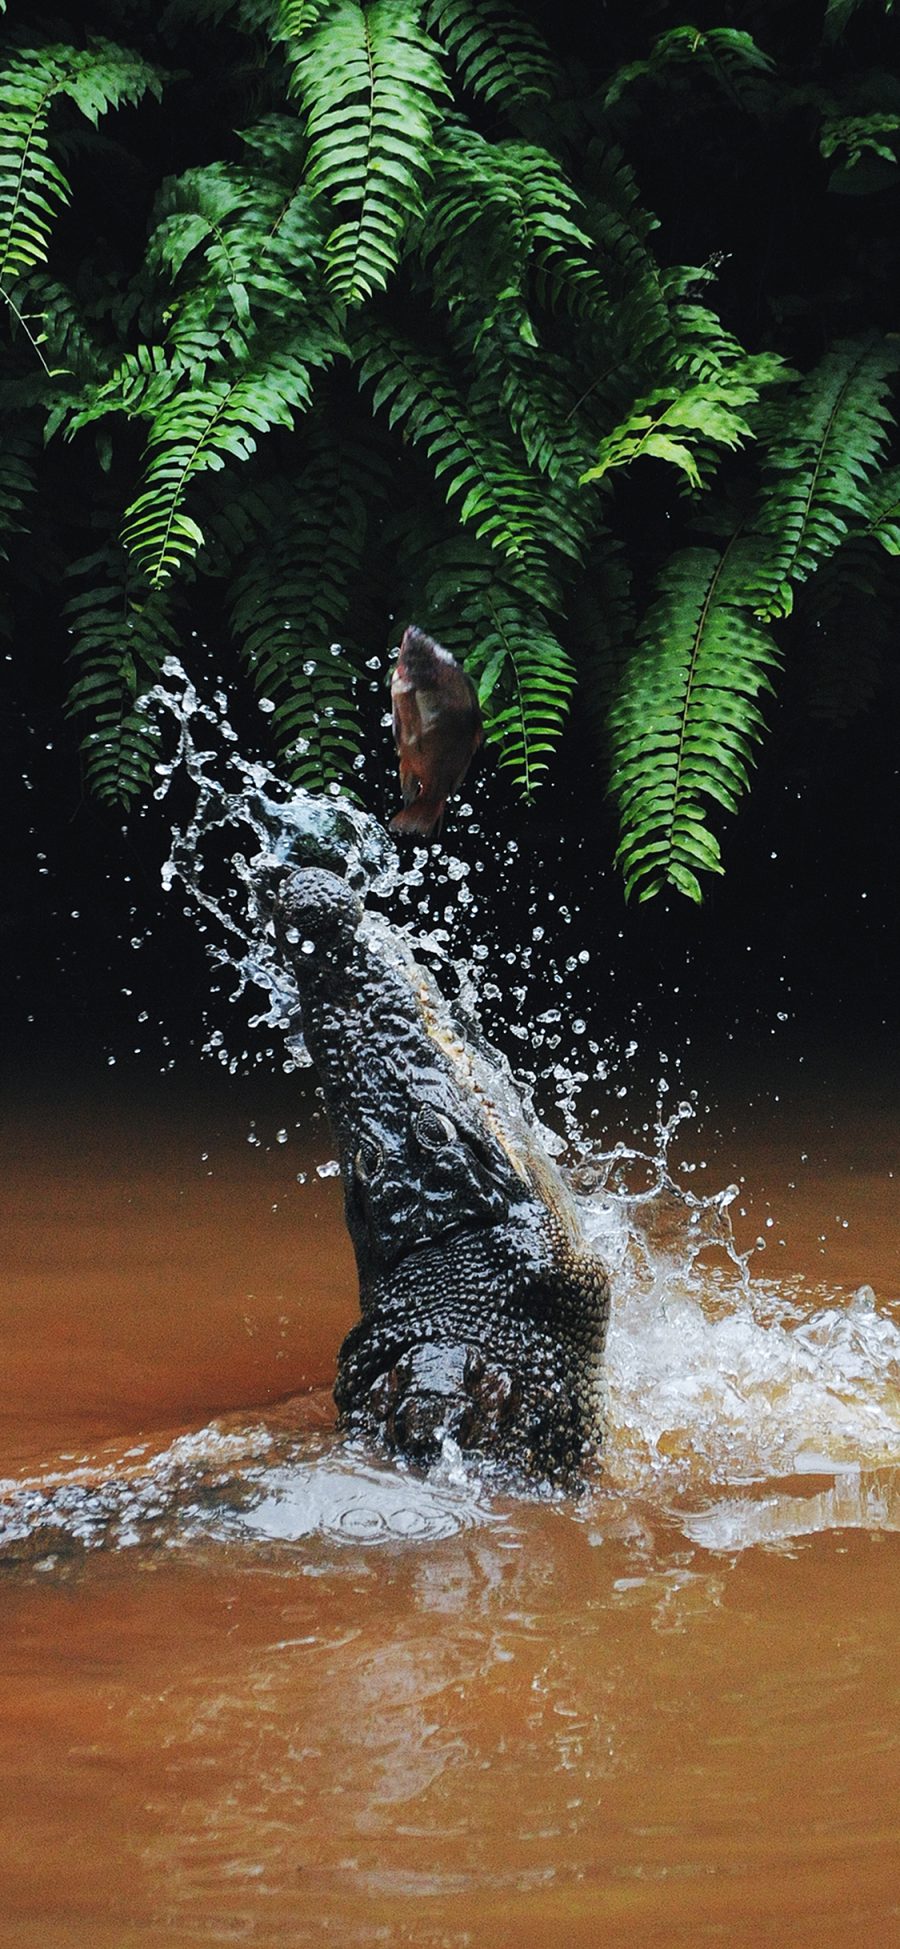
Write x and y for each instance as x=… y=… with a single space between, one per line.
x=409 y=783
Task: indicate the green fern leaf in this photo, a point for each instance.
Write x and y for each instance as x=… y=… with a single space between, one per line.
x=883 y=510
x=243 y=249
x=476 y=471
x=296 y=17
x=121 y=633
x=832 y=441
x=640 y=336
x=370 y=82
x=726 y=56
x=290 y=601
x=849 y=631
x=18 y=480
x=666 y=427
x=604 y=629
x=686 y=718
x=498 y=54
x=525 y=680
x=524 y=676
x=199 y=429
x=839 y=12
x=860 y=135
x=32 y=186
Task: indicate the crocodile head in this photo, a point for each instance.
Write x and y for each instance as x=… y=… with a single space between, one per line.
x=483 y=1312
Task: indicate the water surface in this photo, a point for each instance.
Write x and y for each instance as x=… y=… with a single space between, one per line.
x=260 y=1688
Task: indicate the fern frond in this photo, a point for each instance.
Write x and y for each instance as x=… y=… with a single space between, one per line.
x=641 y=336
x=502 y=222
x=505 y=636
x=32 y=186
x=253 y=16
x=498 y=55
x=604 y=628
x=685 y=721
x=18 y=478
x=121 y=632
x=106 y=76
x=525 y=679
x=702 y=347
x=243 y=250
x=496 y=498
x=883 y=510
x=849 y=631
x=703 y=408
x=289 y=603
x=50 y=312
x=370 y=82
x=726 y=56
x=197 y=430
x=834 y=436
x=472 y=235
x=860 y=135
x=296 y=17
x=667 y=426
x=532 y=388
x=563 y=253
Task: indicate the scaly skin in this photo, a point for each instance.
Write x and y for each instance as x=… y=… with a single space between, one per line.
x=484 y=1313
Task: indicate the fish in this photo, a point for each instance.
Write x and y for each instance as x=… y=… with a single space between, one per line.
x=437 y=730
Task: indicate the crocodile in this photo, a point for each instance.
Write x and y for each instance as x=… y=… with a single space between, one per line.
x=483 y=1310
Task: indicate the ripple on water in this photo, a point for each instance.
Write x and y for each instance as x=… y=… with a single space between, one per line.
x=352 y=1500
x=253 y=1487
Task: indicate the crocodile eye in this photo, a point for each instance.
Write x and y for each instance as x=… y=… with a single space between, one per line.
x=368 y=1160
x=434 y=1130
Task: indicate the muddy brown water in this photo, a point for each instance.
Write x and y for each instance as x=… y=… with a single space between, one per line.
x=380 y=1711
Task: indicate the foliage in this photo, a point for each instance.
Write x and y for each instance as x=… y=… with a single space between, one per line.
x=578 y=349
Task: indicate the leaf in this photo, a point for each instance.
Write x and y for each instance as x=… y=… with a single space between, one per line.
x=831 y=442
x=197 y=429
x=498 y=54
x=370 y=81
x=121 y=632
x=686 y=718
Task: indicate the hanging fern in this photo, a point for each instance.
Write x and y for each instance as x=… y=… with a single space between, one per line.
x=369 y=81
x=832 y=441
x=17 y=481
x=838 y=13
x=859 y=136
x=850 y=637
x=497 y=52
x=726 y=56
x=496 y=498
x=684 y=723
x=121 y=632
x=33 y=188
x=883 y=510
x=197 y=430
x=289 y=602
x=666 y=425
x=524 y=676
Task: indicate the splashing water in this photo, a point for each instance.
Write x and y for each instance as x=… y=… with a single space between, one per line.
x=717 y=1379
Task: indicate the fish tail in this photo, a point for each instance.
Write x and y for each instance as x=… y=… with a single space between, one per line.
x=425 y=816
